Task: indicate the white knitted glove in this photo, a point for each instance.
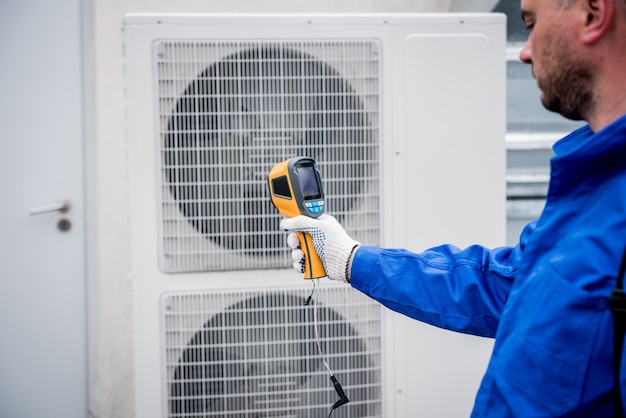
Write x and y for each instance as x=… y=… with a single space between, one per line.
x=330 y=240
x=297 y=255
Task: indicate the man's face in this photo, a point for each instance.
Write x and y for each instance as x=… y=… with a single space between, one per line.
x=563 y=74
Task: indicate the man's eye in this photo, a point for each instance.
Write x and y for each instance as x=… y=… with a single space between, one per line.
x=529 y=26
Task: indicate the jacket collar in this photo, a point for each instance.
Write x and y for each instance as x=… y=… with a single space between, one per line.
x=584 y=147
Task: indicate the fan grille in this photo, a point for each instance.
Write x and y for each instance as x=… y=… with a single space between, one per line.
x=253 y=354
x=229 y=111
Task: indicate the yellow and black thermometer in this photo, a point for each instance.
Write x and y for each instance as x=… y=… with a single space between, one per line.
x=296 y=189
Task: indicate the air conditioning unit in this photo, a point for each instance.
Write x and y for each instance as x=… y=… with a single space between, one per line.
x=404 y=115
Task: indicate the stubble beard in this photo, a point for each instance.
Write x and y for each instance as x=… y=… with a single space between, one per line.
x=567 y=86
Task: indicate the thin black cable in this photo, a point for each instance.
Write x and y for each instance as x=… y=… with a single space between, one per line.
x=315 y=327
x=343 y=399
x=308 y=299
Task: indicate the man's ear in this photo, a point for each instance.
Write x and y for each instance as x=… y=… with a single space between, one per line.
x=599 y=17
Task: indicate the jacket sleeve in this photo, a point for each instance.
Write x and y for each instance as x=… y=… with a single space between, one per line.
x=460 y=290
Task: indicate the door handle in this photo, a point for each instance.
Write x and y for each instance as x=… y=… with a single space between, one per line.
x=60 y=206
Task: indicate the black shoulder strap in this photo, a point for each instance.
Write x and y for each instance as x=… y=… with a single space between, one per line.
x=618 y=306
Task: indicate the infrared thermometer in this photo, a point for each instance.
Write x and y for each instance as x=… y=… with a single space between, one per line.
x=295 y=187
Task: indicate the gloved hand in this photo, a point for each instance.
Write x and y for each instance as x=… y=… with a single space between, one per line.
x=331 y=242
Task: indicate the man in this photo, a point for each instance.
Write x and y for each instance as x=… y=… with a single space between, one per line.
x=545 y=301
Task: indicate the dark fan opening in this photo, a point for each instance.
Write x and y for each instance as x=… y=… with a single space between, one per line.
x=264 y=362
x=247 y=112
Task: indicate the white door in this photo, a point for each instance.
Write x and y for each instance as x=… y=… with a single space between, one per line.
x=43 y=348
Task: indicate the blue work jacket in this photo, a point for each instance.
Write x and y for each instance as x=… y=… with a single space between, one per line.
x=545 y=301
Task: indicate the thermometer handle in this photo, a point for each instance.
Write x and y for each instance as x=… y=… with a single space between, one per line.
x=313 y=266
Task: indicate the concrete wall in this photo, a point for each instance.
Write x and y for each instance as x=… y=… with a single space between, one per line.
x=112 y=374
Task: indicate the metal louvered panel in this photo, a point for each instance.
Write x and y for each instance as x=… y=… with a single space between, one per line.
x=254 y=353
x=228 y=111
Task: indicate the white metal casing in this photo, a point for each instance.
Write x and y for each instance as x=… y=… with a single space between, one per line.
x=442 y=179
